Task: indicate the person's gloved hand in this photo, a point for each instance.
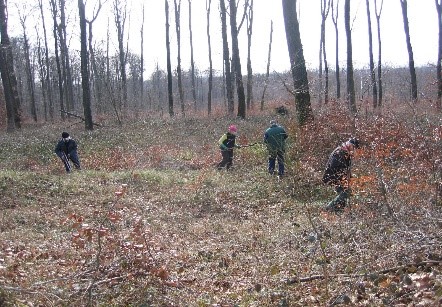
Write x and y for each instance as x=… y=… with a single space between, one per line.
x=223 y=147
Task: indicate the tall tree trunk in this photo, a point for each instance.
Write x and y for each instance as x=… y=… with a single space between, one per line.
x=237 y=61
x=249 y=17
x=226 y=59
x=192 y=62
x=169 y=65
x=142 y=61
x=96 y=76
x=439 y=55
x=85 y=69
x=335 y=16
x=120 y=20
x=178 y=38
x=370 y=53
x=209 y=93
x=378 y=24
x=64 y=53
x=266 y=81
x=9 y=80
x=351 y=99
x=297 y=62
x=325 y=8
x=48 y=87
x=54 y=11
x=42 y=74
x=410 y=51
x=28 y=68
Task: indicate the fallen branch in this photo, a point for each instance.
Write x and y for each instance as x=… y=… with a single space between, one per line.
x=295 y=280
x=78 y=116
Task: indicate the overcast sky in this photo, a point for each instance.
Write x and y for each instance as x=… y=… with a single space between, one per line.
x=422 y=21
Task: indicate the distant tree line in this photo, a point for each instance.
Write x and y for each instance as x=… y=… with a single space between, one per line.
x=44 y=83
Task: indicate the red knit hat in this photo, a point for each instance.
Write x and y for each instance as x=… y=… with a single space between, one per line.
x=232 y=128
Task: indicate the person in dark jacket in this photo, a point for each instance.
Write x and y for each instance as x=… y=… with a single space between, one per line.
x=227 y=143
x=66 y=150
x=274 y=138
x=338 y=173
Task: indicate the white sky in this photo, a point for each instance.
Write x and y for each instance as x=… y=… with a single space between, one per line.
x=421 y=13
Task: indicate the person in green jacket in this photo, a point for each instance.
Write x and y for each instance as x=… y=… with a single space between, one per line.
x=274 y=138
x=227 y=143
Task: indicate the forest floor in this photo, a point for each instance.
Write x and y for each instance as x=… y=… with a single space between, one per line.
x=150 y=221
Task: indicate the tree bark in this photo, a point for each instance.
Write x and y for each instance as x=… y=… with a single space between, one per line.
x=178 y=38
x=169 y=65
x=249 y=17
x=209 y=93
x=325 y=8
x=28 y=68
x=335 y=16
x=237 y=61
x=410 y=51
x=9 y=79
x=65 y=59
x=54 y=11
x=226 y=59
x=297 y=62
x=142 y=61
x=192 y=62
x=120 y=20
x=378 y=24
x=48 y=87
x=370 y=53
x=439 y=55
x=88 y=122
x=351 y=99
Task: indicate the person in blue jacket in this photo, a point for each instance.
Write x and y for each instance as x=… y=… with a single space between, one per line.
x=66 y=150
x=227 y=143
x=338 y=173
x=275 y=138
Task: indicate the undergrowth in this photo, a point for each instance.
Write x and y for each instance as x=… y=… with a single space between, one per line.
x=149 y=221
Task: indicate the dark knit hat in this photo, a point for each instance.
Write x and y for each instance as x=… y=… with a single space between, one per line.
x=354 y=141
x=65 y=135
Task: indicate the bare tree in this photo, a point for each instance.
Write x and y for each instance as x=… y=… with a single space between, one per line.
x=209 y=93
x=378 y=24
x=237 y=61
x=226 y=59
x=249 y=18
x=142 y=60
x=94 y=71
x=335 y=16
x=169 y=65
x=370 y=53
x=65 y=58
x=178 y=38
x=23 y=13
x=85 y=86
x=54 y=11
x=439 y=56
x=192 y=62
x=325 y=8
x=9 y=80
x=410 y=51
x=120 y=21
x=46 y=77
x=266 y=81
x=351 y=99
x=297 y=62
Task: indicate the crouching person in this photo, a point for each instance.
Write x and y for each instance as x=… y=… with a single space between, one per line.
x=66 y=150
x=338 y=173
